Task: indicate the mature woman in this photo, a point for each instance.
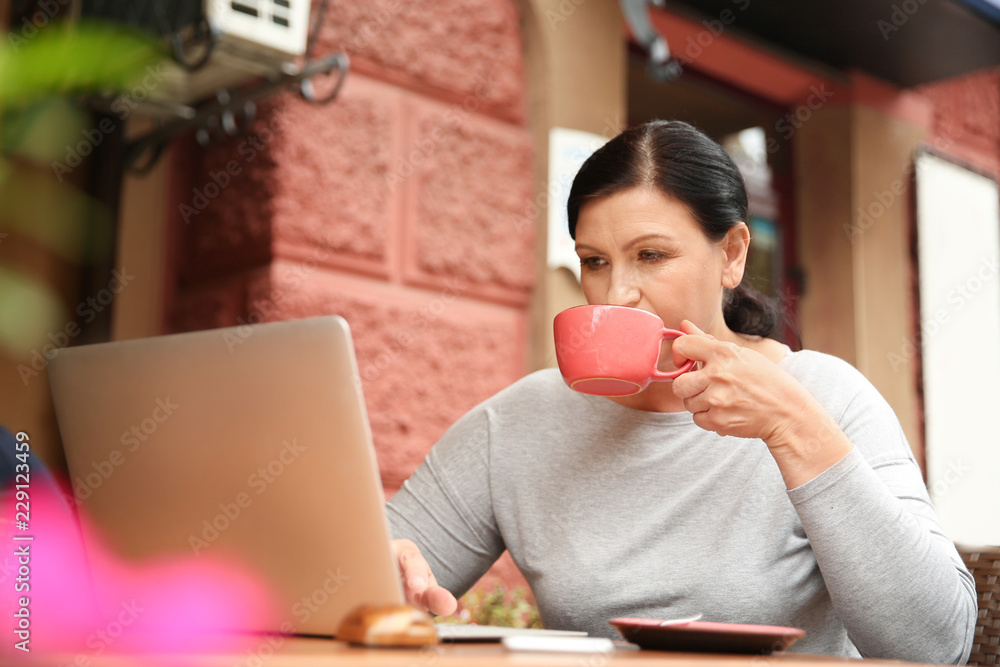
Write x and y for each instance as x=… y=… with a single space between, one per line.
x=766 y=486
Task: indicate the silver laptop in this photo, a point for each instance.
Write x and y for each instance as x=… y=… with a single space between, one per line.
x=251 y=444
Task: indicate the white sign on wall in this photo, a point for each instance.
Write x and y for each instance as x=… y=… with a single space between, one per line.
x=568 y=150
x=958 y=232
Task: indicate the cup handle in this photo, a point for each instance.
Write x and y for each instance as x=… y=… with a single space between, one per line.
x=662 y=375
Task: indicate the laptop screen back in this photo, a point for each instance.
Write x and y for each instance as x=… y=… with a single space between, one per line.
x=251 y=444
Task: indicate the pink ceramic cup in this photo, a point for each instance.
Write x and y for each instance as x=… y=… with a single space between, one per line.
x=611 y=350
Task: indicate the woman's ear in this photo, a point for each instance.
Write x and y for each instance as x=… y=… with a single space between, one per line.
x=735 y=245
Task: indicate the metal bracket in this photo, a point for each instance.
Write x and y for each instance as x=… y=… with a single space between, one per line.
x=230 y=114
x=232 y=111
x=662 y=67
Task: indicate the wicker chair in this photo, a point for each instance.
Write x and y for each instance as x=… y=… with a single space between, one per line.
x=984 y=563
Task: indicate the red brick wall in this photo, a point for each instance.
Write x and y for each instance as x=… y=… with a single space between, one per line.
x=967 y=117
x=399 y=206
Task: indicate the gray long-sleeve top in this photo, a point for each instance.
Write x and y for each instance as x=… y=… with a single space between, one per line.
x=612 y=512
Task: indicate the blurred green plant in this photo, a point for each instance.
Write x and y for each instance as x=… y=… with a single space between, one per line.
x=72 y=58
x=40 y=78
x=514 y=608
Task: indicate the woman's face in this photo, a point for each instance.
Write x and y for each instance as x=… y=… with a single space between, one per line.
x=642 y=249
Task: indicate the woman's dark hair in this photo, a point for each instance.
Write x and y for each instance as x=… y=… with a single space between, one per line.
x=680 y=162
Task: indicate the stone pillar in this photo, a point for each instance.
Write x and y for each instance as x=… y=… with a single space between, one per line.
x=584 y=47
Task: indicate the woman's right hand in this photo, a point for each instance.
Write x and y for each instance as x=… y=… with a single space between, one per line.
x=419 y=584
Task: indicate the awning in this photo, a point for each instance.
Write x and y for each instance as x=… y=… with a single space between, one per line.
x=904 y=42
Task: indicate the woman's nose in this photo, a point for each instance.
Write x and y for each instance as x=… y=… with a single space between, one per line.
x=623 y=291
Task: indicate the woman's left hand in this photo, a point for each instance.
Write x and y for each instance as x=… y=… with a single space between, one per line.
x=735 y=390
x=739 y=392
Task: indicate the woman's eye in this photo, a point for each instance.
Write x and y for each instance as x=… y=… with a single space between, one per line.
x=650 y=256
x=591 y=262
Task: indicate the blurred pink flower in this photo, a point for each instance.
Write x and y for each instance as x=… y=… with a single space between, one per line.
x=70 y=600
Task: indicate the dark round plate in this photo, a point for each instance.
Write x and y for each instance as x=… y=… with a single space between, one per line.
x=706 y=637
